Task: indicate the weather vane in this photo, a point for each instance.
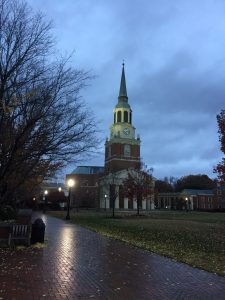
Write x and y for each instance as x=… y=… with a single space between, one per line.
x=123 y=63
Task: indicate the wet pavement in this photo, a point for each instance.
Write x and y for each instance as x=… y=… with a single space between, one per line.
x=80 y=264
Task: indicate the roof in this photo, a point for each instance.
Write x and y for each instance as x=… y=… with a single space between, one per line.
x=88 y=170
x=189 y=192
x=172 y=194
x=221 y=187
x=52 y=185
x=123 y=104
x=197 y=192
x=123 y=89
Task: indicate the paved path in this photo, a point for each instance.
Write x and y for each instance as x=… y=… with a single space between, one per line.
x=80 y=264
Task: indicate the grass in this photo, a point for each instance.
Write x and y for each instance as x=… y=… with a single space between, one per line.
x=195 y=238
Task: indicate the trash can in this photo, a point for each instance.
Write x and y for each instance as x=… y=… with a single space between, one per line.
x=38 y=231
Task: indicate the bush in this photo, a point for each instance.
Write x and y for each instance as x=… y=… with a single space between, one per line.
x=7 y=213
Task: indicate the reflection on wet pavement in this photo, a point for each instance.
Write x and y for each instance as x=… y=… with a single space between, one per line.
x=80 y=264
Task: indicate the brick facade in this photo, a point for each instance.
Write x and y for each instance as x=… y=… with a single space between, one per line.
x=85 y=193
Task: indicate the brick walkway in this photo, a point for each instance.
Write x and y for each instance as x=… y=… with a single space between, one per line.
x=80 y=264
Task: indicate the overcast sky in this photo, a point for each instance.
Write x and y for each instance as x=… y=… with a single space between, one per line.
x=174 y=54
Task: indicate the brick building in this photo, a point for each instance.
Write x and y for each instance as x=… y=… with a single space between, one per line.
x=122 y=156
x=220 y=197
x=122 y=149
x=85 y=191
x=204 y=200
x=94 y=185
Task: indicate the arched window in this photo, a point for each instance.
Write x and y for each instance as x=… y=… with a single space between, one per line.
x=125 y=116
x=114 y=118
x=130 y=117
x=119 y=116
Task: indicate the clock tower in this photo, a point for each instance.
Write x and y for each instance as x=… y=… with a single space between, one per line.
x=122 y=149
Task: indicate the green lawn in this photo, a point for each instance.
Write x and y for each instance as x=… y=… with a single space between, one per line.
x=195 y=238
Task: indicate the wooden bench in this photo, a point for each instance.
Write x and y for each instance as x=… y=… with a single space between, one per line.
x=20 y=232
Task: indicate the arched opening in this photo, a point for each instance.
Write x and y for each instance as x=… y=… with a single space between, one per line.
x=125 y=116
x=119 y=116
x=130 y=117
x=114 y=117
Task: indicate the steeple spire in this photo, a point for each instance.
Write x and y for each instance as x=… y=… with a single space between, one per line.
x=123 y=89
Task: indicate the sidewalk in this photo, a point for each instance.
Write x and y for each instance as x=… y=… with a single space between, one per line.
x=80 y=264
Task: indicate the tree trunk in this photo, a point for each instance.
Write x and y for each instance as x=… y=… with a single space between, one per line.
x=113 y=213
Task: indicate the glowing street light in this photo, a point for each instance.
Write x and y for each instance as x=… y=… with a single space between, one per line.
x=186 y=199
x=70 y=184
x=60 y=189
x=44 y=199
x=105 y=201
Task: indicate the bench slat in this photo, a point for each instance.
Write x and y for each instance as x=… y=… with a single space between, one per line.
x=20 y=232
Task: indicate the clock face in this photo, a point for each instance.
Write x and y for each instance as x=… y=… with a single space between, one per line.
x=126 y=131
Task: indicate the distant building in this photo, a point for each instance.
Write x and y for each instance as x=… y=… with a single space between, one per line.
x=85 y=190
x=220 y=197
x=53 y=195
x=188 y=199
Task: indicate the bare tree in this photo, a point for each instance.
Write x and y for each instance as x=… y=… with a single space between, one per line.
x=43 y=122
x=112 y=181
x=139 y=184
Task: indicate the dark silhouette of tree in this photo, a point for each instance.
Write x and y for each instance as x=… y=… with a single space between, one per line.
x=220 y=168
x=200 y=182
x=43 y=122
x=162 y=186
x=113 y=194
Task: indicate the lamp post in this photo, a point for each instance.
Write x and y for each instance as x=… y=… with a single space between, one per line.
x=70 y=184
x=45 y=200
x=186 y=199
x=105 y=201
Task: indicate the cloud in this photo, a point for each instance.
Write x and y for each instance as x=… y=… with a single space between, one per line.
x=175 y=71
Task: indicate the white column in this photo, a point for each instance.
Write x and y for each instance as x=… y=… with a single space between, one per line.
x=117 y=198
x=144 y=204
x=107 y=202
x=152 y=204
x=191 y=204
x=134 y=203
x=126 y=203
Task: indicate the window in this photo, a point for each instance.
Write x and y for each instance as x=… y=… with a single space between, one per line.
x=114 y=118
x=130 y=117
x=125 y=116
x=126 y=150
x=119 y=116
